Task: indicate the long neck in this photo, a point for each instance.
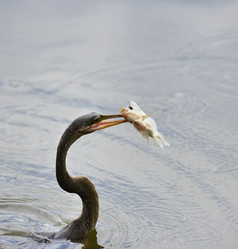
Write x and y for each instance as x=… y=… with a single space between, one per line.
x=65 y=181
x=79 y=185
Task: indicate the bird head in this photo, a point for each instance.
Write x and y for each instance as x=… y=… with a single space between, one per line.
x=94 y=121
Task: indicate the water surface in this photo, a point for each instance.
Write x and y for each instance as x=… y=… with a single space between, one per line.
x=178 y=61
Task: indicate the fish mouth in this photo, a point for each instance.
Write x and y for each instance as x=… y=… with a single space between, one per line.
x=105 y=122
x=122 y=110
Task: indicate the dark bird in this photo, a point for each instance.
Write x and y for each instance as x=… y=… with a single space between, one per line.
x=79 y=228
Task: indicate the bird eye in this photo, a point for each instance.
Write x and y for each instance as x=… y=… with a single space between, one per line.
x=130 y=107
x=97 y=119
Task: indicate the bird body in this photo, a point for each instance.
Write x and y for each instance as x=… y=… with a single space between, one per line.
x=79 y=228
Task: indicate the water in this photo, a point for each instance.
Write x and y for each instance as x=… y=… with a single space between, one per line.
x=178 y=61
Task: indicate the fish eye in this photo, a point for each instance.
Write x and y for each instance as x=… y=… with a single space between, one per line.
x=130 y=107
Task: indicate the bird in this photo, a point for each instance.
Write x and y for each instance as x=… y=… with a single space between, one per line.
x=78 y=229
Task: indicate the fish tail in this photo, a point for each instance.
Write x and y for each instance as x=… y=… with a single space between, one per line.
x=160 y=140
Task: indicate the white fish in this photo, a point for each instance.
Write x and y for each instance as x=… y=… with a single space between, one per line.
x=143 y=123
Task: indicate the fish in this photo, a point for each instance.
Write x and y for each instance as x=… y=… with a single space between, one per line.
x=143 y=123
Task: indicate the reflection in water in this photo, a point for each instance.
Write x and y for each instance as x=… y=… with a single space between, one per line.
x=91 y=241
x=176 y=59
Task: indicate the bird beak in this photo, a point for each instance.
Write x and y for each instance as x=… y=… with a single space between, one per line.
x=105 y=122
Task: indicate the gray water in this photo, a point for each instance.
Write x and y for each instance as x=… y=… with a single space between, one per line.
x=178 y=60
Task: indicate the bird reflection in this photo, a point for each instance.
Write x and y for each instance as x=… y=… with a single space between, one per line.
x=91 y=241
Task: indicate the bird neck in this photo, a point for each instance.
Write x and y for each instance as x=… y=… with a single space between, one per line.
x=80 y=185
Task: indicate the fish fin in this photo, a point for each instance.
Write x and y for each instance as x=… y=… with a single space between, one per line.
x=160 y=140
x=147 y=140
x=164 y=141
x=152 y=122
x=145 y=135
x=145 y=116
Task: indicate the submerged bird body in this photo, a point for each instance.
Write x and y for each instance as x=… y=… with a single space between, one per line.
x=143 y=123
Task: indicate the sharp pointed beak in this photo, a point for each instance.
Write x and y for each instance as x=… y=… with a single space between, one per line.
x=105 y=122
